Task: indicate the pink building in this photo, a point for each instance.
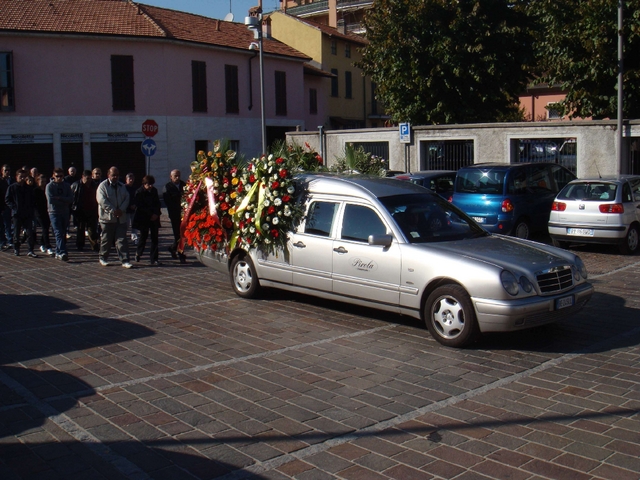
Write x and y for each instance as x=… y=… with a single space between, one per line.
x=79 y=77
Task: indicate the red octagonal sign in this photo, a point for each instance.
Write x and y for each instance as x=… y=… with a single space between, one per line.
x=149 y=128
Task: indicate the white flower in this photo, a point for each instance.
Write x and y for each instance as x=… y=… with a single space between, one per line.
x=247 y=215
x=275 y=220
x=277 y=202
x=291 y=189
x=266 y=203
x=266 y=240
x=252 y=229
x=265 y=227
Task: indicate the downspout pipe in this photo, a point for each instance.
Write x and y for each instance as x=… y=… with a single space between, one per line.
x=254 y=55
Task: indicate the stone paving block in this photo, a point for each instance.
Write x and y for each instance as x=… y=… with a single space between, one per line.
x=443 y=469
x=357 y=472
x=576 y=462
x=611 y=472
x=497 y=471
x=551 y=470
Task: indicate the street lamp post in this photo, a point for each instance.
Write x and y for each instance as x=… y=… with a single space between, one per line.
x=254 y=23
x=620 y=82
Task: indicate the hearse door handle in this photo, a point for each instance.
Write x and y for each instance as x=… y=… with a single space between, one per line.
x=299 y=244
x=341 y=249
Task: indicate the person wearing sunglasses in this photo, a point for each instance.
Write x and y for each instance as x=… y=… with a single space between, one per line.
x=59 y=200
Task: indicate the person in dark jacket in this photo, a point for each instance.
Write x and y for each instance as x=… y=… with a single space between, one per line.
x=147 y=218
x=6 y=239
x=19 y=198
x=85 y=209
x=59 y=200
x=172 y=196
x=42 y=215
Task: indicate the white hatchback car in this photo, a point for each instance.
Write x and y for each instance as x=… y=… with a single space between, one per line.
x=598 y=210
x=396 y=246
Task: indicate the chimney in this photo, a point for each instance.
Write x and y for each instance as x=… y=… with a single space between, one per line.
x=333 y=13
x=266 y=27
x=342 y=26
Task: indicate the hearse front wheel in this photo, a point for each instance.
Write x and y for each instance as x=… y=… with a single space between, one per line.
x=450 y=317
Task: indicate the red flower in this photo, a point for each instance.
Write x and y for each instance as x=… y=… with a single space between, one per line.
x=252 y=178
x=275 y=185
x=274 y=233
x=286 y=198
x=271 y=210
x=279 y=160
x=224 y=206
x=283 y=173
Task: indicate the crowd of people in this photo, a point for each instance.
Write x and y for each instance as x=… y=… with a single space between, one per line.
x=105 y=214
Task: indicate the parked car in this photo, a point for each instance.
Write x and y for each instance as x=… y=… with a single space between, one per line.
x=598 y=210
x=512 y=199
x=438 y=181
x=391 y=245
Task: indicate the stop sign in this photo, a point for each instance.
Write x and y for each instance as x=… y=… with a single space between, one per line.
x=149 y=128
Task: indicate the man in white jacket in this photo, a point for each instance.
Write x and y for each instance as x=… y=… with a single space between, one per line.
x=113 y=200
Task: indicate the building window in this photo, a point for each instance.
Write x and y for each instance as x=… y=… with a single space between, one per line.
x=347 y=50
x=554 y=111
x=122 y=87
x=313 y=101
x=7 y=101
x=347 y=85
x=231 y=88
x=281 y=93
x=334 y=82
x=334 y=47
x=199 y=85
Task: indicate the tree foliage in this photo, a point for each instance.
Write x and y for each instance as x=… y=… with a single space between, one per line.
x=577 y=48
x=448 y=61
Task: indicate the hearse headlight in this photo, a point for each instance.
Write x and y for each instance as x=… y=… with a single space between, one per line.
x=525 y=284
x=509 y=282
x=579 y=270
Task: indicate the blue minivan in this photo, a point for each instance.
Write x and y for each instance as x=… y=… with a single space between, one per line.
x=511 y=199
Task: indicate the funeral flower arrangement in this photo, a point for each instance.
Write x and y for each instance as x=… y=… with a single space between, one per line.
x=229 y=202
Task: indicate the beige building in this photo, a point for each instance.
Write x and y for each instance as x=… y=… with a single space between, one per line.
x=351 y=102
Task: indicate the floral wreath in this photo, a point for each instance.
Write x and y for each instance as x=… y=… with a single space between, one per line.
x=268 y=210
x=229 y=204
x=210 y=194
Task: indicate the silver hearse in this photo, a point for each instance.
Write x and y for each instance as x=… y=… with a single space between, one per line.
x=395 y=246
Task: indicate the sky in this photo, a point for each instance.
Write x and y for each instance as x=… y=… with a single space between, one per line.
x=215 y=8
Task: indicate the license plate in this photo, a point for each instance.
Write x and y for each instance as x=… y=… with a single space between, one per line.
x=479 y=219
x=564 y=302
x=580 y=232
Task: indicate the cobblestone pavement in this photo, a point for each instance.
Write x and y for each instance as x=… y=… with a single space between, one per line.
x=164 y=373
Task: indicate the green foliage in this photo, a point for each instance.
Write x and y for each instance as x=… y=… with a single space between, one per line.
x=577 y=48
x=356 y=160
x=304 y=157
x=443 y=61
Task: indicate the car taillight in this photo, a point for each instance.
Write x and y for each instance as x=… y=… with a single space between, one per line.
x=611 y=208
x=558 y=207
x=507 y=206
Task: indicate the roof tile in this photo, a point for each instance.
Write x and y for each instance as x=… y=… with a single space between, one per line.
x=125 y=18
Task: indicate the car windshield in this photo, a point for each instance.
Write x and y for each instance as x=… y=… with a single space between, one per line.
x=429 y=218
x=480 y=181
x=589 y=191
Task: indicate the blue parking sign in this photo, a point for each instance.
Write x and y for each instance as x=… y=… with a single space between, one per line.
x=405 y=133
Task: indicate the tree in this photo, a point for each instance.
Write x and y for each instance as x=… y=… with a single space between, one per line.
x=448 y=61
x=577 y=48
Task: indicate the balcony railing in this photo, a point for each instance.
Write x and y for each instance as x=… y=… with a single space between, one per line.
x=323 y=6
